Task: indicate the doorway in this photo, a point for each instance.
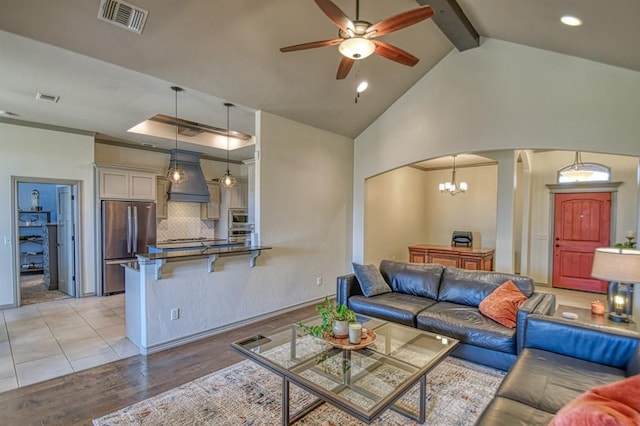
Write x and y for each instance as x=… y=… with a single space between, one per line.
x=582 y=222
x=45 y=245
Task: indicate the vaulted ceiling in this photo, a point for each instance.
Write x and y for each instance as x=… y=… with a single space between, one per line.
x=110 y=79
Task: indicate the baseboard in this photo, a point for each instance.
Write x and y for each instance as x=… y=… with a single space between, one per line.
x=222 y=329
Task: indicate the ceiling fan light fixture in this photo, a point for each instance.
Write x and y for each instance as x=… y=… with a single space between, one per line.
x=357 y=48
x=362 y=87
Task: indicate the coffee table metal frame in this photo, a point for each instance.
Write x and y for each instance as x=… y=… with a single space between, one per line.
x=247 y=347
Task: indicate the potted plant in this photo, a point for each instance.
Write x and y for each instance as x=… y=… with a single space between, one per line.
x=335 y=320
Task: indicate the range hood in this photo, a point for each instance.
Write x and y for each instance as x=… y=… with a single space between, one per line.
x=194 y=188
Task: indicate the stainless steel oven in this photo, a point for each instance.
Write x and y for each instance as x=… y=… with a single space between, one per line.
x=238 y=218
x=241 y=235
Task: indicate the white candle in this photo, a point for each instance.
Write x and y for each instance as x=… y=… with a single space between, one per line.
x=355 y=333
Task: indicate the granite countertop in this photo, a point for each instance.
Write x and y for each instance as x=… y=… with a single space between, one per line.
x=221 y=250
x=190 y=243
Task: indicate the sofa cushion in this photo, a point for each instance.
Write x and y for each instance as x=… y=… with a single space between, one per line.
x=613 y=404
x=468 y=325
x=503 y=303
x=418 y=279
x=395 y=307
x=370 y=279
x=506 y=412
x=548 y=381
x=471 y=287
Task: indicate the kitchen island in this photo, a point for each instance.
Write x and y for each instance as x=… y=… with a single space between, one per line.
x=174 y=297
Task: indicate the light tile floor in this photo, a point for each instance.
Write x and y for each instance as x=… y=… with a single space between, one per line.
x=39 y=342
x=47 y=340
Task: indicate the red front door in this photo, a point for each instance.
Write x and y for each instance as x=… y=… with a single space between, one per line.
x=581 y=224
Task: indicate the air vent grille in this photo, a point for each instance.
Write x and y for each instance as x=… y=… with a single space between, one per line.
x=123 y=15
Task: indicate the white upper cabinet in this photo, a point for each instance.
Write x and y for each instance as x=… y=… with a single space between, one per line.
x=211 y=210
x=124 y=184
x=239 y=195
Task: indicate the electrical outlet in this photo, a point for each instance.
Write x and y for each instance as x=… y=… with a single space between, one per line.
x=319 y=281
x=175 y=314
x=7 y=241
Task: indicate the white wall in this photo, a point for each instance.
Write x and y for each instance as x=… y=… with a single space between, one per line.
x=396 y=204
x=473 y=211
x=304 y=186
x=39 y=153
x=405 y=207
x=495 y=97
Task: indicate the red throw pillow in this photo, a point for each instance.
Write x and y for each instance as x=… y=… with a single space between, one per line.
x=615 y=404
x=503 y=303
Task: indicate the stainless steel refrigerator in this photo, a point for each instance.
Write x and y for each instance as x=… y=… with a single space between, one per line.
x=128 y=227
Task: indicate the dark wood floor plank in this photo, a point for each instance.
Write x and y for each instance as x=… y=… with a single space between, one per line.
x=78 y=398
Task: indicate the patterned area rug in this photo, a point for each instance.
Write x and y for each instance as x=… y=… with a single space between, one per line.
x=247 y=394
x=33 y=290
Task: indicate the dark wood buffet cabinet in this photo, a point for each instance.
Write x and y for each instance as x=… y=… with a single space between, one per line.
x=460 y=257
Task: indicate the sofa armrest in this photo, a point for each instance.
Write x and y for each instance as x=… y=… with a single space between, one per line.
x=538 y=303
x=606 y=346
x=347 y=286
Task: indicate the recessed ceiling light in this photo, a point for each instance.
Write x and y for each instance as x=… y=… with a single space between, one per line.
x=571 y=21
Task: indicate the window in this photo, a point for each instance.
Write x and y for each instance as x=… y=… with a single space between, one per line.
x=583 y=172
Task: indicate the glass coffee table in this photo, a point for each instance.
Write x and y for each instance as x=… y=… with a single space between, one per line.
x=363 y=382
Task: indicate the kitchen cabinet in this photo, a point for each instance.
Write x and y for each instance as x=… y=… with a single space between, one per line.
x=211 y=210
x=32 y=239
x=162 y=207
x=460 y=257
x=122 y=184
x=239 y=195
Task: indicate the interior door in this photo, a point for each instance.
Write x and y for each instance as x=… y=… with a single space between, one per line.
x=66 y=247
x=581 y=224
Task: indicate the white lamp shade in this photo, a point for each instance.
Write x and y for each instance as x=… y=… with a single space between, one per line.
x=620 y=265
x=356 y=48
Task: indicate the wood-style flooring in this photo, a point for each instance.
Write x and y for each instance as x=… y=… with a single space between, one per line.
x=78 y=398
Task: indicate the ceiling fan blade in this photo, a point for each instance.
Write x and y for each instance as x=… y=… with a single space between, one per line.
x=335 y=14
x=344 y=68
x=400 y=21
x=394 y=53
x=311 y=45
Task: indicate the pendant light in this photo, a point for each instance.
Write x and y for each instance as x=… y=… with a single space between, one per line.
x=578 y=171
x=228 y=181
x=176 y=174
x=452 y=188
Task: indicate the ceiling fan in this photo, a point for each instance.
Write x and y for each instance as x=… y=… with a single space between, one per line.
x=357 y=39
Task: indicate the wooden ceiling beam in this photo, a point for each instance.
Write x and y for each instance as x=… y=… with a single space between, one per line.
x=452 y=21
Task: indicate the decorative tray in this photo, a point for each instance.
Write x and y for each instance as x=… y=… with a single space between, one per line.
x=344 y=343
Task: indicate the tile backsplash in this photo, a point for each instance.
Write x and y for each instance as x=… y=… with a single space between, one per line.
x=183 y=221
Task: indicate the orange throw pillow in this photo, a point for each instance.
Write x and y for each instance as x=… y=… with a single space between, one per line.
x=503 y=303
x=616 y=404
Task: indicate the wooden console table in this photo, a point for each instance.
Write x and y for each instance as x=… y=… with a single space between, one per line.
x=460 y=257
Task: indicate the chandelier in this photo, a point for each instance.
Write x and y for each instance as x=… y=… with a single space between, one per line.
x=453 y=188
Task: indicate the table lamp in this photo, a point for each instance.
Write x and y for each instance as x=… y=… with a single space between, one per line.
x=621 y=267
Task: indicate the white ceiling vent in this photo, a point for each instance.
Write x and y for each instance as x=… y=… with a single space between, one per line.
x=123 y=14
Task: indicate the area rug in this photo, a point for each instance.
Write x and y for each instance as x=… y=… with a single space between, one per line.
x=247 y=394
x=33 y=290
